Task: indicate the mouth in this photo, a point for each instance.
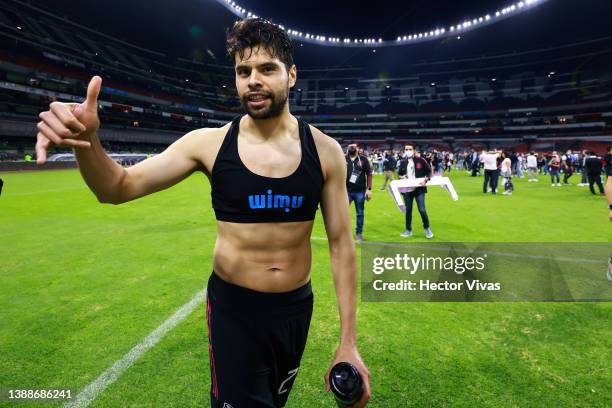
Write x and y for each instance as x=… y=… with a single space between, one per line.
x=257 y=100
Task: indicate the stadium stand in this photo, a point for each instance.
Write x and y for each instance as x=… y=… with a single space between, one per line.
x=560 y=95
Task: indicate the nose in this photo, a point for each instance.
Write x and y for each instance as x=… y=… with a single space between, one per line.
x=254 y=80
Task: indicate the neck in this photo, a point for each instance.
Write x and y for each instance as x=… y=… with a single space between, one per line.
x=271 y=127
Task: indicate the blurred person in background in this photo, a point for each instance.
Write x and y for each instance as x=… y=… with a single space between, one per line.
x=608 y=161
x=554 y=167
x=489 y=160
x=506 y=173
x=389 y=163
x=567 y=166
x=532 y=167
x=593 y=169
x=520 y=163
x=474 y=161
x=358 y=184
x=412 y=166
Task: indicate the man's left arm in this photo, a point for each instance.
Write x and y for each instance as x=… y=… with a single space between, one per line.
x=335 y=210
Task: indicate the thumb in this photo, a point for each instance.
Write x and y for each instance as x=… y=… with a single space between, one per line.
x=41 y=154
x=93 y=90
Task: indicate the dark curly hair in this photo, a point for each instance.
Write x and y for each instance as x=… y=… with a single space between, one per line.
x=257 y=32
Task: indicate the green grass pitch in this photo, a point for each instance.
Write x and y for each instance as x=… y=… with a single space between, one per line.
x=81 y=283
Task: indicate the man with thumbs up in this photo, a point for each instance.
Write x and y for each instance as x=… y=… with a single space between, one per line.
x=268 y=171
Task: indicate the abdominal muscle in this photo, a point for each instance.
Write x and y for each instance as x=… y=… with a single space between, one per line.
x=267 y=257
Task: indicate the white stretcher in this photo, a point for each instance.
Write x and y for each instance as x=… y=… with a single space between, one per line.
x=397 y=187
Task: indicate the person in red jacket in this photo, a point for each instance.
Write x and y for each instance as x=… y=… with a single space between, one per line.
x=554 y=166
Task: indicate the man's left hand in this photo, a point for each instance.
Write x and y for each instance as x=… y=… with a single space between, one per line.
x=349 y=354
x=368 y=195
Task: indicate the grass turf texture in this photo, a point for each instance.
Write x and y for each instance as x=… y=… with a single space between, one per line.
x=81 y=283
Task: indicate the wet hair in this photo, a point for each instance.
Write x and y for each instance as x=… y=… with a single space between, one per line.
x=245 y=35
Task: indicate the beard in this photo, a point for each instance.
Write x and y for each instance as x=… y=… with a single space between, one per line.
x=276 y=106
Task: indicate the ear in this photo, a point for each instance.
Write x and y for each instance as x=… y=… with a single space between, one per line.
x=292 y=76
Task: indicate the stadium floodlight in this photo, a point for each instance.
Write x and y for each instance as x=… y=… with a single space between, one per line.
x=429 y=35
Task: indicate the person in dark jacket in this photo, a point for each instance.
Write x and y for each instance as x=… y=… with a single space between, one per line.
x=412 y=167
x=358 y=185
x=593 y=167
x=389 y=165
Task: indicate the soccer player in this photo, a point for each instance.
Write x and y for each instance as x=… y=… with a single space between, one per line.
x=268 y=171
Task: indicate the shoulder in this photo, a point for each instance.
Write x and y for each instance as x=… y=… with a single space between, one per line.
x=329 y=150
x=204 y=144
x=207 y=134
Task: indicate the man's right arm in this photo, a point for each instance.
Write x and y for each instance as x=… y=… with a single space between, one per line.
x=111 y=183
x=76 y=125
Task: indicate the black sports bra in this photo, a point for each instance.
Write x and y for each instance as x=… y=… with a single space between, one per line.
x=239 y=195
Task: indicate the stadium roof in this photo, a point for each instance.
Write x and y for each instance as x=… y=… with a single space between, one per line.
x=196 y=27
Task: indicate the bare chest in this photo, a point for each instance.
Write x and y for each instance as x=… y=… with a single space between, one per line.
x=275 y=159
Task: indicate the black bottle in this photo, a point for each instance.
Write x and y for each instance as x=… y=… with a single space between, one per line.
x=346 y=384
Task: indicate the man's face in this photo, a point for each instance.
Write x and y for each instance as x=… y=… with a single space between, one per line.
x=262 y=83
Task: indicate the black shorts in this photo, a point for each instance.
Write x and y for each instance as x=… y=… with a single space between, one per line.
x=256 y=341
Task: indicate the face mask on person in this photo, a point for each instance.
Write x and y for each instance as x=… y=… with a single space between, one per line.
x=408 y=154
x=352 y=151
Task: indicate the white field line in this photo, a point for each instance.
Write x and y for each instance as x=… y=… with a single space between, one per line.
x=96 y=387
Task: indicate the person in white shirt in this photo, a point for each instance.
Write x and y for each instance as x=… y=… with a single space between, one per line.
x=532 y=167
x=489 y=160
x=519 y=165
x=506 y=172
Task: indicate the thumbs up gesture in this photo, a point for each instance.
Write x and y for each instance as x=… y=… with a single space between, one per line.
x=69 y=124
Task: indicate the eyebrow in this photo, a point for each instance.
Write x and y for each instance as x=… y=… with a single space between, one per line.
x=260 y=66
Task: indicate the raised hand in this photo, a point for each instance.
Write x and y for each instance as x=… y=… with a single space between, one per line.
x=69 y=124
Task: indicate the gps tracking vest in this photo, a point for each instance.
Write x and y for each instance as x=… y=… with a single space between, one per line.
x=239 y=195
